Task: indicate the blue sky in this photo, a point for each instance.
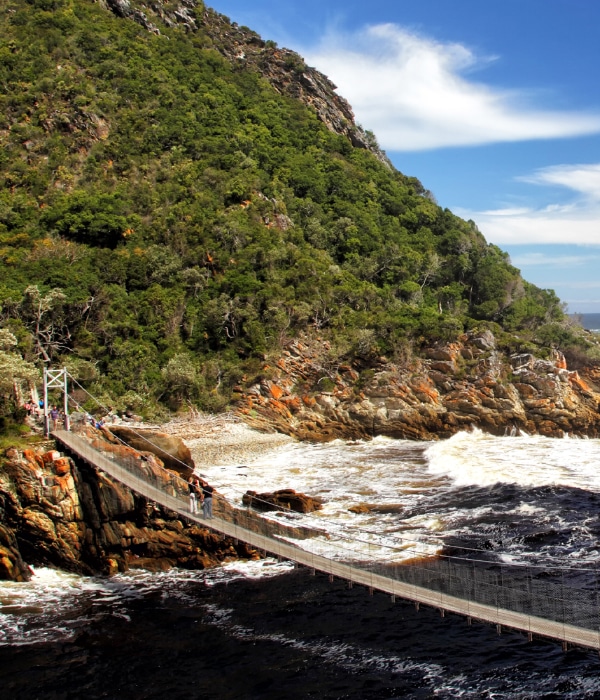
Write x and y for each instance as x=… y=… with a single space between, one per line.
x=493 y=104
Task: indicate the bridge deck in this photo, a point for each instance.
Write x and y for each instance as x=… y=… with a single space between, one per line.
x=473 y=610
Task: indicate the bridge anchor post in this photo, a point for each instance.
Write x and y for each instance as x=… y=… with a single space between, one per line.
x=57 y=379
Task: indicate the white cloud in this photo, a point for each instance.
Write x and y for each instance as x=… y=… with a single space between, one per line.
x=579 y=226
x=545 y=260
x=411 y=91
x=576 y=222
x=584 y=179
x=582 y=285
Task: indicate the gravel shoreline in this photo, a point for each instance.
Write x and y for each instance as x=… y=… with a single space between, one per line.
x=223 y=439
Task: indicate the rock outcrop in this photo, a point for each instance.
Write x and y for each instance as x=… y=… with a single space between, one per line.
x=284 y=499
x=450 y=388
x=171 y=450
x=55 y=512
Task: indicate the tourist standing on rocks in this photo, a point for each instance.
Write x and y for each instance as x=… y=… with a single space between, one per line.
x=207 y=492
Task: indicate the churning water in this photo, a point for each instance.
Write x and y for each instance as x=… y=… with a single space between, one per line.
x=524 y=496
x=267 y=630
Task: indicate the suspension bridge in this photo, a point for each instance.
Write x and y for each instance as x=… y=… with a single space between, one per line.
x=533 y=600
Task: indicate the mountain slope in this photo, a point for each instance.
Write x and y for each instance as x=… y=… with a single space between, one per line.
x=180 y=198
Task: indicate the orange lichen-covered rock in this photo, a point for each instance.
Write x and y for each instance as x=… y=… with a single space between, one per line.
x=443 y=390
x=276 y=391
x=68 y=515
x=580 y=383
x=33 y=458
x=62 y=466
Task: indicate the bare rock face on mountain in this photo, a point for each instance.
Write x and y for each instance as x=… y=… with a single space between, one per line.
x=452 y=387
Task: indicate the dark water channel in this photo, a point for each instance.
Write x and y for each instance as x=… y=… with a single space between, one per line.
x=289 y=636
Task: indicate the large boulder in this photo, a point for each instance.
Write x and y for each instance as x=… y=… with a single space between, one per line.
x=171 y=450
x=285 y=499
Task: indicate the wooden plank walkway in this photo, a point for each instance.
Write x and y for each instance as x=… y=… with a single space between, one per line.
x=500 y=617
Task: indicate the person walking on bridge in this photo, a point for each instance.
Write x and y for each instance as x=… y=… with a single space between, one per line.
x=207 y=491
x=54 y=415
x=194 y=493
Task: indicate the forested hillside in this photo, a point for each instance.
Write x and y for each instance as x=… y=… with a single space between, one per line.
x=169 y=216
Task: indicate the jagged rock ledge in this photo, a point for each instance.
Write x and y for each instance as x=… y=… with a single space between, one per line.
x=310 y=394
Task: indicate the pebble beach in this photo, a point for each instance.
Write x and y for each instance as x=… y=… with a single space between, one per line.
x=222 y=439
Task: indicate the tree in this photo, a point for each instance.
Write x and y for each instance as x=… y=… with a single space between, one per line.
x=45 y=318
x=95 y=219
x=15 y=373
x=181 y=378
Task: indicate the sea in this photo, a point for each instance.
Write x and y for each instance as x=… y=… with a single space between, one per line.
x=590 y=322
x=268 y=630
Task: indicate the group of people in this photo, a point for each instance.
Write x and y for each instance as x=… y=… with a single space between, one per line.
x=200 y=492
x=36 y=410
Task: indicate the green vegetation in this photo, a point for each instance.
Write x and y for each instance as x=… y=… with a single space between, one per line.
x=167 y=219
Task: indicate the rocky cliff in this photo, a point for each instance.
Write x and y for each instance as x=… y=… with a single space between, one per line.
x=56 y=512
x=313 y=396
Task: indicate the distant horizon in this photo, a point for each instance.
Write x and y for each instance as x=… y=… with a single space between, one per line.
x=589 y=321
x=586 y=314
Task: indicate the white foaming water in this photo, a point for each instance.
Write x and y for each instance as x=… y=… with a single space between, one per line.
x=384 y=475
x=51 y=606
x=408 y=489
x=416 y=495
x=475 y=458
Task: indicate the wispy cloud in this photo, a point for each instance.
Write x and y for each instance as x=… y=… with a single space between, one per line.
x=546 y=260
x=576 y=222
x=594 y=284
x=579 y=227
x=584 y=179
x=416 y=93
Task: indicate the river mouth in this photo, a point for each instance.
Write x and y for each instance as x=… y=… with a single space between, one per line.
x=515 y=499
x=267 y=630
